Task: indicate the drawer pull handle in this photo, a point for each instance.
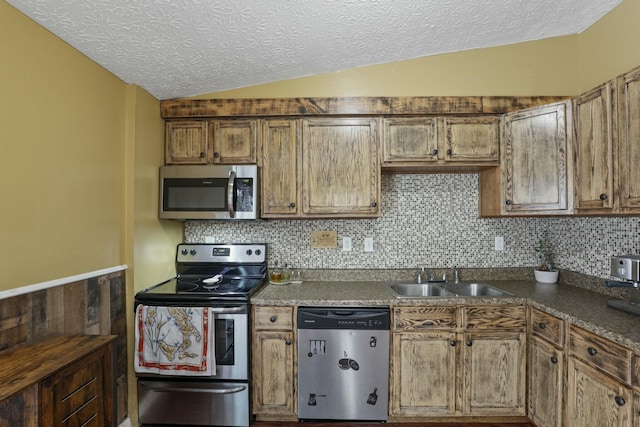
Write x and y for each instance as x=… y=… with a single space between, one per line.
x=272 y=319
x=620 y=400
x=542 y=325
x=453 y=343
x=469 y=343
x=592 y=351
x=292 y=205
x=287 y=342
x=434 y=152
x=554 y=360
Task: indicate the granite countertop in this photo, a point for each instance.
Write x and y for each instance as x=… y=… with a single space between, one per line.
x=580 y=306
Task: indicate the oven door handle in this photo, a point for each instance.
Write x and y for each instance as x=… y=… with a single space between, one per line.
x=227 y=310
x=195 y=390
x=230 y=193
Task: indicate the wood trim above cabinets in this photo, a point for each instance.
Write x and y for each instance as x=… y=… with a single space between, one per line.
x=349 y=106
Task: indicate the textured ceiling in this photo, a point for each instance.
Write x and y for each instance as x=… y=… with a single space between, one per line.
x=179 y=48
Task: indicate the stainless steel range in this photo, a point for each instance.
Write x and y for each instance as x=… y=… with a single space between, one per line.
x=222 y=278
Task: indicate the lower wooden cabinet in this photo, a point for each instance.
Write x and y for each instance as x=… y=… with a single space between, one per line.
x=494 y=373
x=273 y=363
x=65 y=380
x=596 y=399
x=546 y=380
x=424 y=374
x=458 y=361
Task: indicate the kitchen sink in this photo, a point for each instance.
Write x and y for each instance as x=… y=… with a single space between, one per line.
x=473 y=289
x=429 y=290
x=416 y=290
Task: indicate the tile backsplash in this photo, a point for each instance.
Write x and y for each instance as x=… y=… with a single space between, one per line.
x=432 y=221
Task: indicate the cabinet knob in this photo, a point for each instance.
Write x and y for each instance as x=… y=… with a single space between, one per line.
x=592 y=351
x=272 y=319
x=374 y=204
x=453 y=343
x=287 y=342
x=469 y=343
x=620 y=400
x=292 y=205
x=603 y=197
x=554 y=360
x=542 y=325
x=449 y=152
x=434 y=152
x=216 y=154
x=508 y=202
x=202 y=154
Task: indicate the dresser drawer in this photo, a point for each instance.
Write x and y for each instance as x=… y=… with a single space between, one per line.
x=599 y=352
x=424 y=318
x=547 y=326
x=273 y=318
x=511 y=317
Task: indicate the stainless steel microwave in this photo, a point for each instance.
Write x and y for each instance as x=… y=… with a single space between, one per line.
x=223 y=192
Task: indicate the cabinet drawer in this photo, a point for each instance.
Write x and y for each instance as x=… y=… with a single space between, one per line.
x=601 y=353
x=273 y=318
x=547 y=326
x=510 y=317
x=423 y=318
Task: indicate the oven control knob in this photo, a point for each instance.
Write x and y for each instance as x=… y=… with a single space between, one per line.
x=249 y=252
x=258 y=251
x=192 y=252
x=184 y=252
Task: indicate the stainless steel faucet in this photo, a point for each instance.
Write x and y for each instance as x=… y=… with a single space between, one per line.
x=456 y=275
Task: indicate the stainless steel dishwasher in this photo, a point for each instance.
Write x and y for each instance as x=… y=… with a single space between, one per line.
x=343 y=363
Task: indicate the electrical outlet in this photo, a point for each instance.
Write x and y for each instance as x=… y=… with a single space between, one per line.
x=368 y=244
x=499 y=243
x=346 y=244
x=210 y=239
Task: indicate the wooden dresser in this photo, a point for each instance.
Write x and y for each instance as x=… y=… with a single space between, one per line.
x=61 y=380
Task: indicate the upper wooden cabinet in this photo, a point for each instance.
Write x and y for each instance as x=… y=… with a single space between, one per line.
x=628 y=153
x=185 y=142
x=280 y=161
x=340 y=167
x=211 y=141
x=535 y=175
x=412 y=142
x=593 y=150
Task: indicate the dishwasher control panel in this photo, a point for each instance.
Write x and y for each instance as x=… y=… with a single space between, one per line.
x=343 y=318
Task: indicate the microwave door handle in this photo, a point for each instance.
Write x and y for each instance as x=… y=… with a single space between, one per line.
x=230 y=193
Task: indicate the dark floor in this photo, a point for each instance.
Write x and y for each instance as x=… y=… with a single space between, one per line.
x=356 y=424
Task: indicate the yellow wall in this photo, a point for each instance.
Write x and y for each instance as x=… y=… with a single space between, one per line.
x=611 y=46
x=62 y=126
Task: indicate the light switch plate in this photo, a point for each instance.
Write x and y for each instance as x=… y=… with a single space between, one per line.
x=499 y=243
x=368 y=244
x=347 y=244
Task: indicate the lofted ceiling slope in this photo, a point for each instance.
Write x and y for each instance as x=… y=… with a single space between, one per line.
x=181 y=48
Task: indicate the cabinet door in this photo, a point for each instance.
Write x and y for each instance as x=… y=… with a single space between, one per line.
x=279 y=168
x=471 y=139
x=410 y=139
x=535 y=158
x=494 y=365
x=233 y=141
x=545 y=384
x=424 y=374
x=273 y=379
x=629 y=142
x=186 y=142
x=80 y=394
x=340 y=167
x=593 y=148
x=595 y=399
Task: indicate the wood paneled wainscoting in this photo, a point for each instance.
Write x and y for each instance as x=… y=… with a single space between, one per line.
x=93 y=306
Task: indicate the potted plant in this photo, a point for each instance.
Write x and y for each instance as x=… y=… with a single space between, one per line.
x=545 y=272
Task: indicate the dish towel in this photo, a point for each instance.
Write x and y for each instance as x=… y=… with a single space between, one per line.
x=175 y=340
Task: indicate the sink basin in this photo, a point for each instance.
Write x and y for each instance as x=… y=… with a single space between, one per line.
x=475 y=290
x=416 y=290
x=428 y=290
